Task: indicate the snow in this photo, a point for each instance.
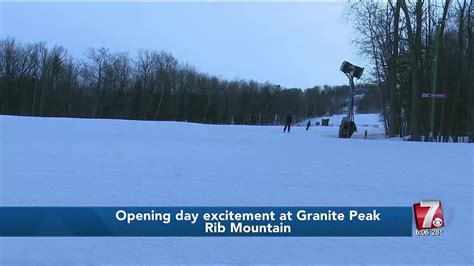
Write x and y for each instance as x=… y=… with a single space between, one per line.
x=362 y=120
x=85 y=162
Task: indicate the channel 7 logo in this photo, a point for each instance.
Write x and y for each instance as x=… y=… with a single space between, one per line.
x=428 y=214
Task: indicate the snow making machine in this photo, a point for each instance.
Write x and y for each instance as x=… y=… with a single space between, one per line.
x=348 y=126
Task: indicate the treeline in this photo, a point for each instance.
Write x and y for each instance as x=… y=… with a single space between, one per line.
x=40 y=81
x=417 y=46
x=369 y=102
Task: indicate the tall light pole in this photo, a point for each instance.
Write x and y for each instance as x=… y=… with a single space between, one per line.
x=348 y=126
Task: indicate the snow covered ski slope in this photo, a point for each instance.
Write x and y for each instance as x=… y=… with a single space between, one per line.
x=362 y=120
x=83 y=162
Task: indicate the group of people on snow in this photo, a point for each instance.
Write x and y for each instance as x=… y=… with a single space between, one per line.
x=289 y=121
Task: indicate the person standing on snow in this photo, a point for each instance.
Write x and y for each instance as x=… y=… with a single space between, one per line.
x=308 y=124
x=288 y=121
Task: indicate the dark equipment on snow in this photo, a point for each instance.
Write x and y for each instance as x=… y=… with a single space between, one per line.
x=288 y=121
x=348 y=126
x=325 y=122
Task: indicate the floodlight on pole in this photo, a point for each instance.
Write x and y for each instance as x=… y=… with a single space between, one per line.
x=348 y=126
x=351 y=71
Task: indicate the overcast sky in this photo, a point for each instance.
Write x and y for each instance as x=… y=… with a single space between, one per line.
x=291 y=44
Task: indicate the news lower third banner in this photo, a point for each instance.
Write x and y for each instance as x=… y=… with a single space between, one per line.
x=206 y=221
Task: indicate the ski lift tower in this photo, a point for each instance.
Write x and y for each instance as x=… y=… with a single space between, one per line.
x=348 y=126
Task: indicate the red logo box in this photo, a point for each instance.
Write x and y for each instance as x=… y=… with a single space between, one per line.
x=428 y=214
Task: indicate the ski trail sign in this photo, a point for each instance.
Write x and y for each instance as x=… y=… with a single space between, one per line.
x=433 y=95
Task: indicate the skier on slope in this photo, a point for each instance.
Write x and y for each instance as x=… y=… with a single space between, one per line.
x=308 y=124
x=288 y=121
